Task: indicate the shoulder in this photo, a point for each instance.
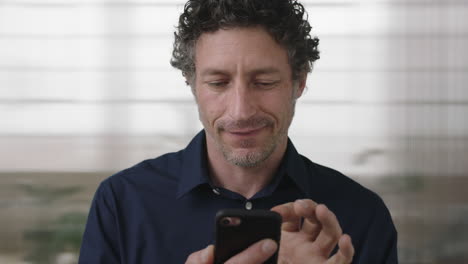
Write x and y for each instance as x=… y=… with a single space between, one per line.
x=332 y=185
x=361 y=212
x=358 y=208
x=151 y=173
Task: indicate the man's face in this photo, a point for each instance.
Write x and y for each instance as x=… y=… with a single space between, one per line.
x=245 y=93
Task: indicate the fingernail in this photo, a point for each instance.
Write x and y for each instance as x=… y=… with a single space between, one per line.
x=303 y=203
x=269 y=247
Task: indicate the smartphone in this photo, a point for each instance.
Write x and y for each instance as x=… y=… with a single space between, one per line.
x=237 y=229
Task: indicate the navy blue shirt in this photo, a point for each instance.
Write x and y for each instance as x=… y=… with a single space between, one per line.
x=161 y=210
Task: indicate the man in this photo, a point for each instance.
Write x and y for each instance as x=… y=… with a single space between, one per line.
x=246 y=62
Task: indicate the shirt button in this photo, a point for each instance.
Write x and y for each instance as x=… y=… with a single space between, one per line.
x=216 y=191
x=248 y=205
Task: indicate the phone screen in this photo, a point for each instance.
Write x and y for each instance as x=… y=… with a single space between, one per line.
x=237 y=229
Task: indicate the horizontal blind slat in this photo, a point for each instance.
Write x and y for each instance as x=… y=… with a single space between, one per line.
x=357 y=120
x=352 y=19
x=397 y=87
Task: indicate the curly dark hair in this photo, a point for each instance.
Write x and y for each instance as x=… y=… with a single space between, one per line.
x=285 y=20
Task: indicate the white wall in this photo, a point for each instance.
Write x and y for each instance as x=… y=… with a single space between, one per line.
x=86 y=85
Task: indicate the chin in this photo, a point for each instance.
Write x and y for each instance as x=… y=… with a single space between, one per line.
x=247 y=157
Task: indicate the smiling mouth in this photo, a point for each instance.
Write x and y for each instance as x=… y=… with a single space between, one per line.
x=245 y=129
x=245 y=132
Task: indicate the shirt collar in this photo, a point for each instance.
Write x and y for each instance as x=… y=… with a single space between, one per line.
x=195 y=166
x=295 y=169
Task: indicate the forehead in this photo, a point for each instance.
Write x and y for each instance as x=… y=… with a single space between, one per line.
x=240 y=48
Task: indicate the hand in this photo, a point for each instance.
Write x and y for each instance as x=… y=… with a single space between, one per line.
x=257 y=253
x=314 y=240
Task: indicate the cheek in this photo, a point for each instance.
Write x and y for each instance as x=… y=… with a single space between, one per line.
x=210 y=109
x=279 y=105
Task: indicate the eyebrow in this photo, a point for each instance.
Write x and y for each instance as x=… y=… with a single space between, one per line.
x=266 y=70
x=210 y=71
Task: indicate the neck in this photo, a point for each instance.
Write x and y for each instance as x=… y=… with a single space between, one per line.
x=246 y=181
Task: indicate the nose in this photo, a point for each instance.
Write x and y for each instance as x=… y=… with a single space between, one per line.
x=241 y=103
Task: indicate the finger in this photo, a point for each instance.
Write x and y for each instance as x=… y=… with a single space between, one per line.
x=345 y=252
x=291 y=221
x=331 y=230
x=204 y=256
x=306 y=209
x=256 y=253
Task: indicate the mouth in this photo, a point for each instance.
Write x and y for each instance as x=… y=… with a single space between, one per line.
x=247 y=132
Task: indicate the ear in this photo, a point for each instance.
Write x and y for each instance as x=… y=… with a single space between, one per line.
x=301 y=84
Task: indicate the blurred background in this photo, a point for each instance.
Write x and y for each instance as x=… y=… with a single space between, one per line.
x=86 y=89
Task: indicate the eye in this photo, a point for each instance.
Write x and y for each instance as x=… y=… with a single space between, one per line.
x=266 y=84
x=217 y=84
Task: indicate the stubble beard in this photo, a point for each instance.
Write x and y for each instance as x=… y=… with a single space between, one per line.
x=254 y=158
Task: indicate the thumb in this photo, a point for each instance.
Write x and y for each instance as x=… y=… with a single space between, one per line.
x=257 y=253
x=204 y=256
x=207 y=255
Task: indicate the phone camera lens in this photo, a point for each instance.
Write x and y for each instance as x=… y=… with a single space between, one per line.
x=226 y=221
